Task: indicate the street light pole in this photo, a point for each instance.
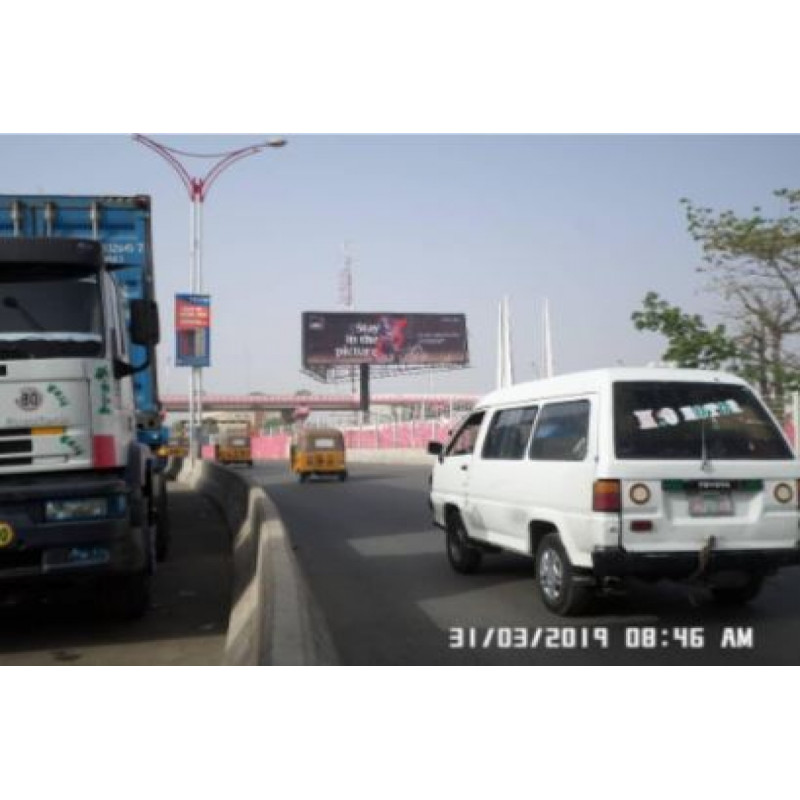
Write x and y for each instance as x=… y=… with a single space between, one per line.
x=197 y=189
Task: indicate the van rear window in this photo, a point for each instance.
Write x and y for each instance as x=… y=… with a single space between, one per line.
x=677 y=420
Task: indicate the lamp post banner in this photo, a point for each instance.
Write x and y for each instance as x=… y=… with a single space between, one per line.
x=192 y=330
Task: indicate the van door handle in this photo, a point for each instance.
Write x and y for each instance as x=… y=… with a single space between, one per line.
x=465 y=467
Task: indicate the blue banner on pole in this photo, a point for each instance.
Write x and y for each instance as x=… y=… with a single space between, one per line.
x=192 y=330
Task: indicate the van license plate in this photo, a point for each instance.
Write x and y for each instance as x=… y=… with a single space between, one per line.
x=711 y=504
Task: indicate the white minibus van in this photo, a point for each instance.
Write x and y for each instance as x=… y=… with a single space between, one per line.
x=625 y=472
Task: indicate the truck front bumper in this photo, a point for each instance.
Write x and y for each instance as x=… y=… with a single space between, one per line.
x=36 y=549
x=614 y=562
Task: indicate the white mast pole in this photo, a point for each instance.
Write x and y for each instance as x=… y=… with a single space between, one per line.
x=547 y=342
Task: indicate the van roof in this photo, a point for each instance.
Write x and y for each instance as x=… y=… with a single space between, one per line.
x=593 y=380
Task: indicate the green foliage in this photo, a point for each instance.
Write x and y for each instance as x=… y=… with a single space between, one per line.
x=756 y=246
x=691 y=342
x=753 y=264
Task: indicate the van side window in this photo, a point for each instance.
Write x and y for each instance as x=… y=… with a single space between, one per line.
x=508 y=434
x=463 y=443
x=562 y=432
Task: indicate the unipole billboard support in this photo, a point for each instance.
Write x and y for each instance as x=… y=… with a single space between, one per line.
x=364 y=391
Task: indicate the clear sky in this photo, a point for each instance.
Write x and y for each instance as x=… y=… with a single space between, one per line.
x=437 y=223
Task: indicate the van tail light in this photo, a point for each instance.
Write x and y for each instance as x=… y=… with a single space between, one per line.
x=606 y=496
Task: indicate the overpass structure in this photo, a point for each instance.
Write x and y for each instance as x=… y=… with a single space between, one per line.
x=304 y=404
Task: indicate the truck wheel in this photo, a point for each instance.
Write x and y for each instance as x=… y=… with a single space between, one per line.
x=163 y=531
x=463 y=557
x=130 y=596
x=556 y=578
x=738 y=595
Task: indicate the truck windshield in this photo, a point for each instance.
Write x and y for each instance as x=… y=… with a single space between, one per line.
x=49 y=313
x=677 y=420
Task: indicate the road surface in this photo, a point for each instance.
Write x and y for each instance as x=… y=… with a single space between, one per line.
x=186 y=625
x=378 y=570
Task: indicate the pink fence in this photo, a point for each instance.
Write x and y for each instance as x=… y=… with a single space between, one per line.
x=399 y=436
x=264 y=448
x=270 y=448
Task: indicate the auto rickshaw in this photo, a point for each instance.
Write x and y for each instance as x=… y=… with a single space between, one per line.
x=234 y=443
x=318 y=451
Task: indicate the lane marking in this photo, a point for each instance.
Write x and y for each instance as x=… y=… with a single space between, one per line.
x=399 y=544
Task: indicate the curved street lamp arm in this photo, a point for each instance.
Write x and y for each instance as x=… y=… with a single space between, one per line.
x=222 y=165
x=187 y=180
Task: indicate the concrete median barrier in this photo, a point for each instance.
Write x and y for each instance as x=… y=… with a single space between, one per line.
x=274 y=619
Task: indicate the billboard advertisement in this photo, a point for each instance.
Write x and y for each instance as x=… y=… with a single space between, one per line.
x=192 y=330
x=332 y=339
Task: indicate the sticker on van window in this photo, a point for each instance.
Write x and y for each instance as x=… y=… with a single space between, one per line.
x=651 y=418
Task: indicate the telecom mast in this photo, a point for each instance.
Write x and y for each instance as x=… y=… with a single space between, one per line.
x=346 y=279
x=346 y=296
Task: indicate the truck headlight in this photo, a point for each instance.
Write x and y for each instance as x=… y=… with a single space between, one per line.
x=84 y=508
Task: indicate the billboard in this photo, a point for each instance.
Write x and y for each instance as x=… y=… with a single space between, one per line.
x=192 y=330
x=332 y=339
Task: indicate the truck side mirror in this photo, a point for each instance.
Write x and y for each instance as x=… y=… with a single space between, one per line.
x=145 y=329
x=435 y=449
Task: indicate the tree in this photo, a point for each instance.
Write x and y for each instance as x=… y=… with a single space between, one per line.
x=754 y=264
x=691 y=343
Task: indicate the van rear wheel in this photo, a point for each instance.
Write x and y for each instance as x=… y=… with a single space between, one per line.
x=463 y=557
x=556 y=577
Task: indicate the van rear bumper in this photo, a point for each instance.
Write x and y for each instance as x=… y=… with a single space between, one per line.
x=614 y=562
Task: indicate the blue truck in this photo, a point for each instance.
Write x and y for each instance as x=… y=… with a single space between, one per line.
x=82 y=484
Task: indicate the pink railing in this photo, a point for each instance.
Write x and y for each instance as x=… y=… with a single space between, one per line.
x=207 y=452
x=390 y=436
x=399 y=436
x=270 y=448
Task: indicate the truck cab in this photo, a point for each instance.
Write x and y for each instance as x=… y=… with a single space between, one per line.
x=77 y=487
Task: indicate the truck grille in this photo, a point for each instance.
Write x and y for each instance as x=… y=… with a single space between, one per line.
x=14 y=442
x=19 y=560
x=16 y=446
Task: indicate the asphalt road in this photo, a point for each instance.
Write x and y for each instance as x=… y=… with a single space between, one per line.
x=186 y=624
x=378 y=570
